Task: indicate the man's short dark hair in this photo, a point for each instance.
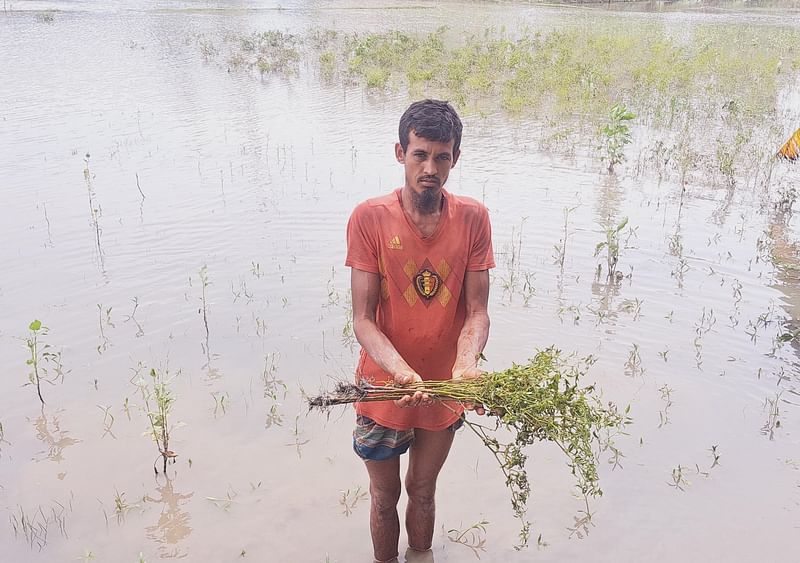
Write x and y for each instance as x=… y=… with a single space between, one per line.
x=435 y=120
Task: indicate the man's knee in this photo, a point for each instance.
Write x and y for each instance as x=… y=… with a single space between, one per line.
x=421 y=491
x=385 y=495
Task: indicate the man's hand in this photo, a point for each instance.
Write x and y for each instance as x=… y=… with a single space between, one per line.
x=472 y=372
x=415 y=400
x=475 y=331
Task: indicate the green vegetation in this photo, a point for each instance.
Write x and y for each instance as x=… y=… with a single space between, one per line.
x=615 y=135
x=204 y=285
x=327 y=64
x=585 y=68
x=35 y=376
x=158 y=401
x=269 y=52
x=274 y=389
x=40 y=355
x=537 y=401
x=47 y=16
x=473 y=537
x=718 y=81
x=612 y=246
x=350 y=498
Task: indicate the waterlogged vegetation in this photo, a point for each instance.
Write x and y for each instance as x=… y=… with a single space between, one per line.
x=579 y=83
x=473 y=537
x=45 y=365
x=615 y=136
x=158 y=401
x=639 y=216
x=267 y=52
x=612 y=245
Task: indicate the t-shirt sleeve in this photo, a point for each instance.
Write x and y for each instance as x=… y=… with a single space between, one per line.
x=481 y=256
x=362 y=248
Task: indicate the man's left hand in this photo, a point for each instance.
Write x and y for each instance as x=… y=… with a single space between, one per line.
x=472 y=372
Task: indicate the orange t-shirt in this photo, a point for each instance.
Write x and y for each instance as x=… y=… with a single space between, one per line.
x=421 y=308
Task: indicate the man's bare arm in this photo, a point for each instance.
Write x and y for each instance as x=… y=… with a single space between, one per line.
x=366 y=288
x=475 y=332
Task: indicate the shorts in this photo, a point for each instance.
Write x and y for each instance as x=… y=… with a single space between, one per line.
x=373 y=442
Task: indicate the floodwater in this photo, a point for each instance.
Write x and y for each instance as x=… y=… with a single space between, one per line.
x=132 y=169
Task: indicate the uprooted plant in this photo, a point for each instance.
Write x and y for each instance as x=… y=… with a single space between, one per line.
x=537 y=401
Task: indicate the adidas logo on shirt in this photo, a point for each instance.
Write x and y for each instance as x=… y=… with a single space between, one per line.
x=395 y=243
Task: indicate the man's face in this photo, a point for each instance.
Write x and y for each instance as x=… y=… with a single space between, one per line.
x=427 y=164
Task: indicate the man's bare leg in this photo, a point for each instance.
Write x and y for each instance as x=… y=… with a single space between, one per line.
x=384 y=524
x=427 y=455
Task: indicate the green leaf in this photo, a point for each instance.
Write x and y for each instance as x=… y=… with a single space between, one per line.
x=35 y=325
x=599 y=247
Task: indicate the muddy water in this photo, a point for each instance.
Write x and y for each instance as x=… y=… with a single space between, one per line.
x=129 y=165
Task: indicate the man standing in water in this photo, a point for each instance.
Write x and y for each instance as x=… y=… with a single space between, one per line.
x=419 y=260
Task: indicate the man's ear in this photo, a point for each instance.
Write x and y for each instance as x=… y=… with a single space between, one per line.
x=399 y=154
x=456 y=154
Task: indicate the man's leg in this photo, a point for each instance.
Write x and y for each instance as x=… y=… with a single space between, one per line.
x=427 y=455
x=384 y=490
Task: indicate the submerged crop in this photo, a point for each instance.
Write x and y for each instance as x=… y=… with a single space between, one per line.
x=708 y=95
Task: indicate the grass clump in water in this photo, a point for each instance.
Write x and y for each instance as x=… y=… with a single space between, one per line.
x=327 y=64
x=537 y=401
x=376 y=55
x=47 y=16
x=268 y=52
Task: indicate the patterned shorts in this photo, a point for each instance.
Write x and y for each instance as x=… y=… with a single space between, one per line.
x=373 y=442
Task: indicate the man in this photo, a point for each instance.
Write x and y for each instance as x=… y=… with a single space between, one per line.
x=419 y=260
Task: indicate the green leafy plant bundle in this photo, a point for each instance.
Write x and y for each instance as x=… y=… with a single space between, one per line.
x=537 y=401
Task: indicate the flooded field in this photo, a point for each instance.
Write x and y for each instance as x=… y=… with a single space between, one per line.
x=177 y=177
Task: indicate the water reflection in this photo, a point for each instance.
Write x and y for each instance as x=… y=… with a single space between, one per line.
x=205 y=345
x=173 y=523
x=609 y=200
x=413 y=556
x=785 y=254
x=606 y=284
x=95 y=214
x=720 y=214
x=48 y=431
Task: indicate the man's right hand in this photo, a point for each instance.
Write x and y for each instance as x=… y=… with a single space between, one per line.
x=415 y=400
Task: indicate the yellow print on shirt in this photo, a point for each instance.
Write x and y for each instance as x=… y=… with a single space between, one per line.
x=395 y=244
x=426 y=283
